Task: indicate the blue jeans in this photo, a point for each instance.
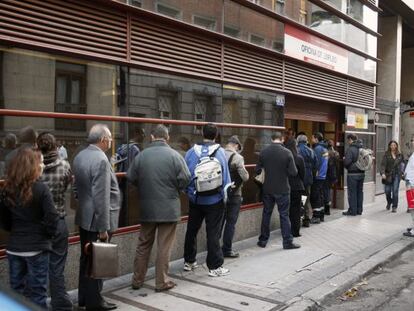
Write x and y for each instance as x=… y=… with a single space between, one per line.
x=355 y=193
x=391 y=191
x=28 y=275
x=231 y=214
x=57 y=260
x=283 y=202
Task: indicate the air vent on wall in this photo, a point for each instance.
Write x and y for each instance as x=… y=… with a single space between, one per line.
x=361 y=94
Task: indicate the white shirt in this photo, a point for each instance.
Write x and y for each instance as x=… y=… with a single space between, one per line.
x=409 y=170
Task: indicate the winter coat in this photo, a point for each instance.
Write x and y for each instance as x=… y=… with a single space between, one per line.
x=392 y=167
x=236 y=166
x=311 y=163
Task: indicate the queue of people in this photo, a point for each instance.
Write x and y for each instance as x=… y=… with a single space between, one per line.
x=32 y=201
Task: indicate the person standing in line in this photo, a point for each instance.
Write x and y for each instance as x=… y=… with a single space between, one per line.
x=297 y=188
x=311 y=165
x=317 y=190
x=57 y=175
x=355 y=177
x=409 y=182
x=391 y=172
x=28 y=213
x=276 y=189
x=331 y=176
x=160 y=173
x=97 y=191
x=10 y=142
x=209 y=206
x=239 y=175
x=27 y=139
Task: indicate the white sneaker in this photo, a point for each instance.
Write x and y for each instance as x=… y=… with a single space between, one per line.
x=221 y=271
x=190 y=266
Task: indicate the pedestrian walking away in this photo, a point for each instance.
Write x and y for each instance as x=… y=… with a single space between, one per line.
x=207 y=193
x=96 y=189
x=239 y=175
x=28 y=213
x=392 y=168
x=276 y=189
x=57 y=175
x=160 y=174
x=355 y=177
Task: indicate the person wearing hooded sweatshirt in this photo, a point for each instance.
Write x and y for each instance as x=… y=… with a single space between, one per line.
x=355 y=177
x=317 y=190
x=57 y=175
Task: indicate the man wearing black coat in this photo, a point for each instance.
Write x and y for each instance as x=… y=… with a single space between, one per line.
x=278 y=165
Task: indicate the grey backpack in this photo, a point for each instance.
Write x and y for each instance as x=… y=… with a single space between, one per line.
x=208 y=177
x=365 y=159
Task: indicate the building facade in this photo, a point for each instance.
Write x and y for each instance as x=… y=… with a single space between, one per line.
x=301 y=64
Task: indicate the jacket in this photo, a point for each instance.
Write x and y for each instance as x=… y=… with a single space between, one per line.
x=237 y=165
x=296 y=182
x=32 y=226
x=57 y=175
x=321 y=153
x=97 y=191
x=391 y=166
x=311 y=163
x=160 y=173
x=351 y=156
x=278 y=163
x=192 y=158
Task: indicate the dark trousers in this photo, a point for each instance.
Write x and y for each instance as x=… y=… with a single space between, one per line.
x=28 y=276
x=89 y=290
x=355 y=184
x=282 y=201
x=391 y=191
x=57 y=261
x=231 y=214
x=317 y=198
x=294 y=211
x=213 y=214
x=326 y=193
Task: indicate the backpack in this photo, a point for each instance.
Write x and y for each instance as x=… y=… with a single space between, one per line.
x=234 y=175
x=364 y=161
x=208 y=173
x=121 y=156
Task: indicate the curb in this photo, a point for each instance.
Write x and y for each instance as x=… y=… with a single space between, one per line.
x=314 y=298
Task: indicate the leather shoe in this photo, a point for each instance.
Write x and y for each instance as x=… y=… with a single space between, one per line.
x=231 y=254
x=347 y=214
x=167 y=286
x=105 y=306
x=261 y=244
x=136 y=286
x=291 y=246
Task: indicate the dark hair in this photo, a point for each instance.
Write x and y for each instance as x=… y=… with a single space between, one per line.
x=210 y=131
x=22 y=171
x=160 y=131
x=318 y=136
x=290 y=132
x=352 y=137
x=27 y=135
x=136 y=132
x=10 y=141
x=292 y=147
x=183 y=140
x=389 y=146
x=277 y=135
x=46 y=142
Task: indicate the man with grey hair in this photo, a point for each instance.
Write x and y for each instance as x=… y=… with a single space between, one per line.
x=311 y=165
x=160 y=173
x=97 y=191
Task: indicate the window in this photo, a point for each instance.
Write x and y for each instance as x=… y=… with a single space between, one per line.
x=168 y=11
x=136 y=3
x=280 y=6
x=231 y=31
x=277 y=46
x=70 y=94
x=257 y=40
x=205 y=22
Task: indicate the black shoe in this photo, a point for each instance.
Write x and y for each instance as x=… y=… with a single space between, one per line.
x=315 y=220
x=347 y=214
x=408 y=233
x=388 y=207
x=261 y=244
x=136 y=287
x=394 y=210
x=291 y=246
x=231 y=254
x=322 y=218
x=105 y=306
x=296 y=235
x=306 y=223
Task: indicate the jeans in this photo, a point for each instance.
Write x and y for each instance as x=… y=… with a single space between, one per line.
x=282 y=201
x=29 y=275
x=355 y=193
x=231 y=215
x=391 y=191
x=213 y=214
x=57 y=260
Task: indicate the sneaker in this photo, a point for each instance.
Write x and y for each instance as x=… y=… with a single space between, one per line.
x=315 y=220
x=221 y=271
x=190 y=266
x=408 y=233
x=291 y=246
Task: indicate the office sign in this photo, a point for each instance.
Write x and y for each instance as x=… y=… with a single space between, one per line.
x=312 y=49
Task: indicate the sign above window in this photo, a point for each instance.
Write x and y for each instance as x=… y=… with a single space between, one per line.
x=312 y=49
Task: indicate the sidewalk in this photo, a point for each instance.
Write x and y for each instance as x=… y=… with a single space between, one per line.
x=333 y=255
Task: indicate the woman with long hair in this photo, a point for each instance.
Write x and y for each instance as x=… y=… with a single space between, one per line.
x=28 y=213
x=391 y=173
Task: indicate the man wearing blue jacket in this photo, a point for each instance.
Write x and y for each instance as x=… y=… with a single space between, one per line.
x=209 y=207
x=317 y=194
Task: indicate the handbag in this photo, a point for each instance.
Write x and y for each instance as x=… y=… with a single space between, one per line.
x=261 y=177
x=410 y=199
x=103 y=261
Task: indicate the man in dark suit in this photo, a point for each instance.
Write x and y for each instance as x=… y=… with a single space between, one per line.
x=278 y=165
x=97 y=191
